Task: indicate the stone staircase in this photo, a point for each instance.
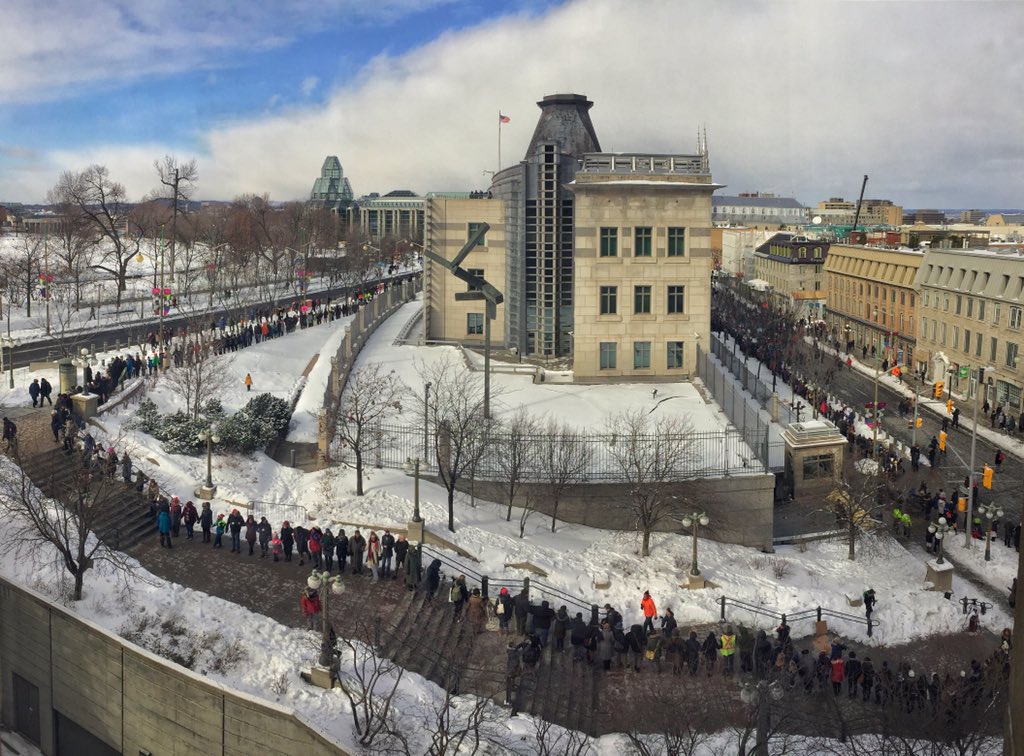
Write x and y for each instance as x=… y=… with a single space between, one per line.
x=421 y=636
x=121 y=516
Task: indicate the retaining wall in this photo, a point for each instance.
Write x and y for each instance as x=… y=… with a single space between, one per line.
x=130 y=700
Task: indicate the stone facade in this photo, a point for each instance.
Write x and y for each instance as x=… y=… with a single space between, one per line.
x=643 y=269
x=971 y=313
x=873 y=301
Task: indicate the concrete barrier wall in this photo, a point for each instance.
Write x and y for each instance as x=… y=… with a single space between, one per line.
x=741 y=508
x=130 y=699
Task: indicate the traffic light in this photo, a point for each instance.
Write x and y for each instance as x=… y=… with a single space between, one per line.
x=961 y=504
x=939 y=386
x=949 y=406
x=919 y=421
x=942 y=440
x=986 y=477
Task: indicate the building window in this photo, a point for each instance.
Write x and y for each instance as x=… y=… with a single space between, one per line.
x=817 y=253
x=1012 y=350
x=945 y=303
x=978 y=338
x=970 y=307
x=475 y=323
x=943 y=340
x=479 y=273
x=1014 y=318
x=981 y=309
x=995 y=313
x=473 y=228
x=607 y=349
x=675 y=355
x=609 y=300
x=903 y=297
x=956 y=337
x=819 y=466
x=924 y=327
x=641 y=300
x=642 y=241
x=925 y=299
x=993 y=348
x=677 y=242
x=609 y=242
x=959 y=303
x=676 y=300
x=641 y=355
x=967 y=341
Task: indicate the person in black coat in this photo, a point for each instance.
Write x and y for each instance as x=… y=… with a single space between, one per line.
x=287 y=540
x=636 y=643
x=301 y=543
x=341 y=549
x=542 y=618
x=206 y=521
x=432 y=579
x=693 y=652
x=356 y=550
x=762 y=655
x=401 y=549
x=522 y=606
x=578 y=637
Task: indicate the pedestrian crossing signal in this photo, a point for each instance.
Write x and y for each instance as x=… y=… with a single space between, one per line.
x=942 y=440
x=986 y=477
x=919 y=421
x=939 y=386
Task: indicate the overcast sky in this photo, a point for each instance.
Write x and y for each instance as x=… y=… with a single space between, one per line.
x=801 y=99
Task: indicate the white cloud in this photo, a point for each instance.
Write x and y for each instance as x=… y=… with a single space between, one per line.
x=802 y=98
x=309 y=85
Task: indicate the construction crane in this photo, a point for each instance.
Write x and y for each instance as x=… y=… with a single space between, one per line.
x=860 y=201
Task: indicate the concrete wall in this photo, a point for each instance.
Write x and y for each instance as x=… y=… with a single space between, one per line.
x=741 y=508
x=132 y=700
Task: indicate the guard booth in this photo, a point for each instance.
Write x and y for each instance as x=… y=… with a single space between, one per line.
x=814 y=457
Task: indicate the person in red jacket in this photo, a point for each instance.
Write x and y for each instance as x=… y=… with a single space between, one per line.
x=650 y=612
x=838 y=673
x=310 y=607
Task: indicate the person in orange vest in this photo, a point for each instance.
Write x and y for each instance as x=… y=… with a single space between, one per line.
x=650 y=612
x=248 y=382
x=728 y=645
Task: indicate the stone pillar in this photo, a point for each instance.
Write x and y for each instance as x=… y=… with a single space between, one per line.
x=85 y=405
x=940 y=576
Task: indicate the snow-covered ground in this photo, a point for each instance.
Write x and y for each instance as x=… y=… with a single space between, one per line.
x=574 y=557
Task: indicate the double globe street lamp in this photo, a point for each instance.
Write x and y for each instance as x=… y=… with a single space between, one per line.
x=692 y=521
x=211 y=437
x=938 y=531
x=989 y=512
x=10 y=343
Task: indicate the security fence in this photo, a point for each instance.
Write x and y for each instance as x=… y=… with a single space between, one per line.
x=746 y=409
x=693 y=455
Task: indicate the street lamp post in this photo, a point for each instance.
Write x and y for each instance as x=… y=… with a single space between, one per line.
x=974 y=444
x=426 y=420
x=325 y=584
x=10 y=343
x=210 y=437
x=84 y=360
x=759 y=698
x=692 y=521
x=989 y=512
x=413 y=466
x=938 y=531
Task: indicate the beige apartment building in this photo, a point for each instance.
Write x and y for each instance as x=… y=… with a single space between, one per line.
x=972 y=306
x=449 y=221
x=872 y=300
x=642 y=296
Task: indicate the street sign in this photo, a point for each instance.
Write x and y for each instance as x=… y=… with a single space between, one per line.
x=965 y=371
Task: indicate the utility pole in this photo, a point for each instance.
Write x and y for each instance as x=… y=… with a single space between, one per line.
x=974 y=443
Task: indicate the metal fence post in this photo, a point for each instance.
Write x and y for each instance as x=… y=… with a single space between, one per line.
x=722 y=602
x=819 y=614
x=526 y=586
x=593 y=614
x=484 y=581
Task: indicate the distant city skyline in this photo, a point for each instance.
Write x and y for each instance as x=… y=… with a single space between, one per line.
x=800 y=99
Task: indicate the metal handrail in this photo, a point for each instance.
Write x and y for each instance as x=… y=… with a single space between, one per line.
x=817 y=613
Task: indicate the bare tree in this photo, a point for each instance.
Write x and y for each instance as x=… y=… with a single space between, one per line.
x=179 y=179
x=22 y=267
x=516 y=454
x=564 y=459
x=552 y=740
x=650 y=456
x=529 y=506
x=102 y=202
x=196 y=377
x=858 y=503
x=70 y=244
x=68 y=521
x=456 y=413
x=369 y=680
x=371 y=397
x=459 y=724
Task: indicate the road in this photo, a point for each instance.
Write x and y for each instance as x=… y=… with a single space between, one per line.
x=134 y=331
x=857 y=390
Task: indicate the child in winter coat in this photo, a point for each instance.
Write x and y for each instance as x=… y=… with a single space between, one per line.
x=276 y=547
x=218 y=531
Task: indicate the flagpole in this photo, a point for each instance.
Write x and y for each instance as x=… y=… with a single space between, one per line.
x=499 y=140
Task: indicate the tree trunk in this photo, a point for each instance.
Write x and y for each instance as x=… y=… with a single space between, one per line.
x=451 y=508
x=554 y=513
x=645 y=548
x=851 y=554
x=79 y=579
x=359 y=472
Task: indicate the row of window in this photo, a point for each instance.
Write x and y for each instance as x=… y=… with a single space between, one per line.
x=884 y=293
x=608 y=355
x=975 y=340
x=965 y=307
x=642 y=241
x=675 y=303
